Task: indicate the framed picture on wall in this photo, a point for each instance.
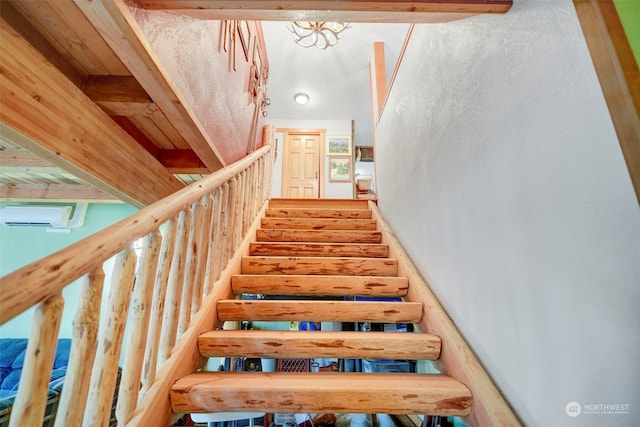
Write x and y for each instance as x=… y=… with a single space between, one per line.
x=339 y=169
x=339 y=145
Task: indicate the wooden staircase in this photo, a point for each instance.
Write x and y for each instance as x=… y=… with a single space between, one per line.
x=328 y=248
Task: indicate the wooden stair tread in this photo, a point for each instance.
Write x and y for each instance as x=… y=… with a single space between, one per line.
x=311 y=344
x=320 y=265
x=318 y=213
x=318 y=224
x=330 y=236
x=319 y=203
x=294 y=392
x=274 y=284
x=371 y=250
x=319 y=311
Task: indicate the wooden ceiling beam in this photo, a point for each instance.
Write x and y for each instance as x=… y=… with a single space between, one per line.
x=21 y=159
x=26 y=29
x=425 y=11
x=182 y=162
x=45 y=113
x=58 y=193
x=115 y=22
x=115 y=89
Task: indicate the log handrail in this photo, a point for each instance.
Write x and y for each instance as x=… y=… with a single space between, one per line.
x=24 y=288
x=189 y=244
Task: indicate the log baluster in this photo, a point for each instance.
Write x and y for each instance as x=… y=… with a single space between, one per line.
x=30 y=404
x=174 y=287
x=83 y=351
x=157 y=307
x=221 y=256
x=190 y=267
x=138 y=325
x=204 y=249
x=233 y=220
x=105 y=368
x=216 y=250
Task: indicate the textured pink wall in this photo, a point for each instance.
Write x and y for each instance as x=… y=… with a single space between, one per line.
x=190 y=51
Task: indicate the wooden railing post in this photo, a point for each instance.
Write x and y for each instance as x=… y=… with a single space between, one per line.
x=233 y=220
x=30 y=404
x=223 y=231
x=214 y=251
x=83 y=351
x=105 y=369
x=174 y=289
x=204 y=251
x=139 y=326
x=242 y=193
x=157 y=307
x=190 y=267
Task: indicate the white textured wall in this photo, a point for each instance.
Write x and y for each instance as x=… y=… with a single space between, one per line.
x=499 y=170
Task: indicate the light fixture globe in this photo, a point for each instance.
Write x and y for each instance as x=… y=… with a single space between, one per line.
x=319 y=34
x=301 y=98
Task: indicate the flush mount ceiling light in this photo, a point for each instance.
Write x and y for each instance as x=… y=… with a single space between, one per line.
x=301 y=98
x=319 y=34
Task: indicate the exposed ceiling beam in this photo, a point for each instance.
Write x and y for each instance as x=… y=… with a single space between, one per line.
x=115 y=22
x=21 y=159
x=58 y=193
x=182 y=162
x=115 y=89
x=45 y=113
x=425 y=11
x=128 y=109
x=137 y=134
x=37 y=40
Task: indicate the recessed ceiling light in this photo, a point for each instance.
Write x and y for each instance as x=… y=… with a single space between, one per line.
x=301 y=98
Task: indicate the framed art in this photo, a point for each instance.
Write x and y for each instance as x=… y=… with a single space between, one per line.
x=339 y=145
x=339 y=169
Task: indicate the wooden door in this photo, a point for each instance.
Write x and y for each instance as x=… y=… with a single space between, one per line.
x=301 y=166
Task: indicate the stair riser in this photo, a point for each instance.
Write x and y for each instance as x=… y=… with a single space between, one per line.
x=320 y=265
x=301 y=344
x=320 y=392
x=319 y=213
x=319 y=311
x=320 y=285
x=326 y=236
x=318 y=249
x=318 y=224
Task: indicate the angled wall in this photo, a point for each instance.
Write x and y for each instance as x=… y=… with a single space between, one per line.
x=500 y=172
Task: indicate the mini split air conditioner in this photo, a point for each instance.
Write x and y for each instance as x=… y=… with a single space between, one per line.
x=43 y=216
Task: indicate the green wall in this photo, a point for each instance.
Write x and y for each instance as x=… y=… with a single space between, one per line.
x=629 y=11
x=20 y=246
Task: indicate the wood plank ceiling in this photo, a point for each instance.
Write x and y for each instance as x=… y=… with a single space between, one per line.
x=62 y=33
x=93 y=46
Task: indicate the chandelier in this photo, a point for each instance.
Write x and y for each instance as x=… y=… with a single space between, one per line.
x=319 y=34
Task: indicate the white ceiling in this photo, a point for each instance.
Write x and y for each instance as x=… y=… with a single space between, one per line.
x=336 y=79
